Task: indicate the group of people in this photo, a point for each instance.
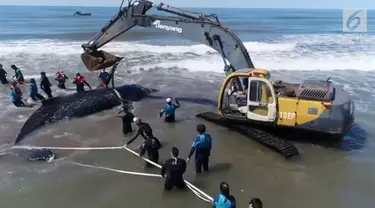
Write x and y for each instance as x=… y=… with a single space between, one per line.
x=16 y=95
x=174 y=168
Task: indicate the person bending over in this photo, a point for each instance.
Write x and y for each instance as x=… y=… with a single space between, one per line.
x=143 y=129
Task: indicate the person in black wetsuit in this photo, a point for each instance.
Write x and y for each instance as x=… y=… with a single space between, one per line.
x=127 y=120
x=3 y=75
x=255 y=203
x=143 y=129
x=151 y=145
x=18 y=74
x=172 y=170
x=45 y=85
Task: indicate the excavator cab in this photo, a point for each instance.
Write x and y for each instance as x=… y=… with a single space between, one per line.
x=249 y=95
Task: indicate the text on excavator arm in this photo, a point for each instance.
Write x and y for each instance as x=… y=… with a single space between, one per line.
x=192 y=26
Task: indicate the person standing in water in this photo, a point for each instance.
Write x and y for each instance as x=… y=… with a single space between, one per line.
x=80 y=82
x=224 y=200
x=61 y=78
x=18 y=74
x=255 y=203
x=202 y=148
x=16 y=95
x=127 y=120
x=172 y=170
x=45 y=85
x=3 y=75
x=169 y=110
x=151 y=145
x=103 y=76
x=33 y=91
x=144 y=129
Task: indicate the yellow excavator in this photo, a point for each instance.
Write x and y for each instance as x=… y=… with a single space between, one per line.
x=248 y=97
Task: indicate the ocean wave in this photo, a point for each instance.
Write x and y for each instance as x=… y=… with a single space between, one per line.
x=293 y=52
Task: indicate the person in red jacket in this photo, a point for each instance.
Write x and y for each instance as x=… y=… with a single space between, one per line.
x=80 y=82
x=61 y=78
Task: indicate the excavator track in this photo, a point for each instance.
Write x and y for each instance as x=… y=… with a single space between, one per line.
x=285 y=148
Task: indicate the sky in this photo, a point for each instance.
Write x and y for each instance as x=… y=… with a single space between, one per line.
x=329 y=4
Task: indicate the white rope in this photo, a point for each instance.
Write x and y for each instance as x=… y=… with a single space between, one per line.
x=116 y=170
x=199 y=193
x=67 y=148
x=196 y=190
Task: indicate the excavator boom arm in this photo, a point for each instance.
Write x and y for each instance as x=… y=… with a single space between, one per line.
x=193 y=26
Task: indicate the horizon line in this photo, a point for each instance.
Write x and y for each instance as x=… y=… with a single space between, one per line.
x=215 y=7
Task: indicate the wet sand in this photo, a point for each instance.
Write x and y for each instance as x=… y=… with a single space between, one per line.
x=323 y=177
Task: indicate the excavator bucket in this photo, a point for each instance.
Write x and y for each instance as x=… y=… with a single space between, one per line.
x=98 y=60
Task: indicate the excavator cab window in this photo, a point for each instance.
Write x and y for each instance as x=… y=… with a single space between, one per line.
x=235 y=94
x=259 y=93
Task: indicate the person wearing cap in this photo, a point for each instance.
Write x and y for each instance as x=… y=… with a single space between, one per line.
x=3 y=75
x=45 y=85
x=169 y=110
x=172 y=170
x=255 y=203
x=224 y=199
x=202 y=149
x=18 y=74
x=127 y=119
x=143 y=129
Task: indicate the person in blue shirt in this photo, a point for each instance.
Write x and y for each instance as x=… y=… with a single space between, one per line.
x=202 y=148
x=33 y=91
x=16 y=95
x=224 y=200
x=103 y=76
x=169 y=110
